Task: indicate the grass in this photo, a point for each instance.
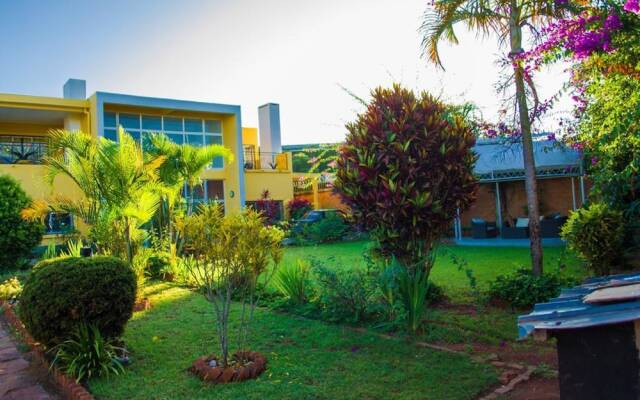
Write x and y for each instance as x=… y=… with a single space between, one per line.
x=307 y=359
x=486 y=263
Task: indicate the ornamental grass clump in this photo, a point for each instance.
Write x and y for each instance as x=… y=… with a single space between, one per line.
x=405 y=171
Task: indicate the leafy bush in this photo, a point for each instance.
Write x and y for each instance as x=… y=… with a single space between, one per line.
x=344 y=295
x=10 y=289
x=298 y=207
x=61 y=293
x=87 y=354
x=331 y=228
x=405 y=170
x=522 y=289
x=159 y=265
x=293 y=282
x=596 y=234
x=18 y=237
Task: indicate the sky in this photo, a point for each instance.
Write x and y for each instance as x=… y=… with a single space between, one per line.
x=301 y=54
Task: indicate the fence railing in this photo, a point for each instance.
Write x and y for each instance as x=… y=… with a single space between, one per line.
x=258 y=160
x=22 y=149
x=305 y=185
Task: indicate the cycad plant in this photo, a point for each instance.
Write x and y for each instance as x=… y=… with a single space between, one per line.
x=505 y=19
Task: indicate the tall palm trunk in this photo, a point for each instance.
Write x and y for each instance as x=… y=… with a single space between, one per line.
x=531 y=186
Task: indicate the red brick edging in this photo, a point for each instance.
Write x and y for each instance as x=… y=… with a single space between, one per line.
x=69 y=388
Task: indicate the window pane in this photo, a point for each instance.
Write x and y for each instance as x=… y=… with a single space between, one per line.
x=58 y=222
x=193 y=125
x=152 y=123
x=110 y=119
x=218 y=162
x=111 y=134
x=130 y=121
x=176 y=138
x=172 y=124
x=211 y=139
x=213 y=126
x=194 y=140
x=215 y=190
x=198 y=192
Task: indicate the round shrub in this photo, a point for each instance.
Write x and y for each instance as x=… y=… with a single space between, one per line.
x=596 y=234
x=17 y=236
x=62 y=293
x=522 y=288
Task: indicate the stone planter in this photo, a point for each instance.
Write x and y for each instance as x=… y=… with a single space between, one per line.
x=256 y=364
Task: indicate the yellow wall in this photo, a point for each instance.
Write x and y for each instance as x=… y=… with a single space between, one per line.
x=250 y=136
x=278 y=184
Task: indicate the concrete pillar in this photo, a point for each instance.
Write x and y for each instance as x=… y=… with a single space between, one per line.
x=269 y=133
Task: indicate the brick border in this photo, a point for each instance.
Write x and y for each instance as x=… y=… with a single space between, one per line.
x=68 y=387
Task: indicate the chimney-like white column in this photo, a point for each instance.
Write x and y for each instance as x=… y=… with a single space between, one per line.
x=75 y=89
x=269 y=132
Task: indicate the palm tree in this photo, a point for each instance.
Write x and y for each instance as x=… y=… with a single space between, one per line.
x=120 y=186
x=184 y=165
x=506 y=19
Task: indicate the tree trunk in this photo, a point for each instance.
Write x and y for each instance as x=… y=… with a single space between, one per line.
x=531 y=186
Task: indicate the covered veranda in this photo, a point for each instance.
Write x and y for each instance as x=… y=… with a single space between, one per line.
x=499 y=217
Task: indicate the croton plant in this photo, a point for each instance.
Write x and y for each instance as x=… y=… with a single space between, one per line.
x=405 y=170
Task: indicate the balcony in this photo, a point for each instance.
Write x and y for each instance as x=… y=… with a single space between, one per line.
x=263 y=161
x=22 y=149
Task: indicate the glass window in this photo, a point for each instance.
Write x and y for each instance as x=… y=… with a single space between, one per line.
x=194 y=140
x=215 y=190
x=212 y=139
x=130 y=121
x=212 y=126
x=218 y=162
x=172 y=124
x=111 y=134
x=58 y=222
x=176 y=138
x=198 y=192
x=110 y=119
x=193 y=125
x=152 y=123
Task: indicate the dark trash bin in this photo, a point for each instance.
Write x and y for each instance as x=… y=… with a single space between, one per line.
x=597 y=328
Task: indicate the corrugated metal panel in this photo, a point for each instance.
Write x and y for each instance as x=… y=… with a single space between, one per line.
x=569 y=311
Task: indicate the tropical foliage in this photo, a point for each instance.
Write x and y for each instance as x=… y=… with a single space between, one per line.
x=506 y=20
x=87 y=354
x=17 y=236
x=405 y=171
x=298 y=207
x=227 y=257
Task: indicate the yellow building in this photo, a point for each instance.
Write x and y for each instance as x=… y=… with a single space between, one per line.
x=259 y=163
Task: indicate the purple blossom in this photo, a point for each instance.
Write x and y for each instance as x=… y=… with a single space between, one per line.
x=551 y=137
x=632 y=6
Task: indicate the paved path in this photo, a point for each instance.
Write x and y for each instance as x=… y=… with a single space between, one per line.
x=17 y=381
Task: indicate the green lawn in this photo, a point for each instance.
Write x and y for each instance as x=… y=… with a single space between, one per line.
x=307 y=359
x=485 y=262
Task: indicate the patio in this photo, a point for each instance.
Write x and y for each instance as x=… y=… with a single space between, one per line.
x=499 y=216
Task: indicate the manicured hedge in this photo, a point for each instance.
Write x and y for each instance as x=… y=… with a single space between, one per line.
x=63 y=292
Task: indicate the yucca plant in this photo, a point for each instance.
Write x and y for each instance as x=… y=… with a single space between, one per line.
x=50 y=252
x=87 y=354
x=292 y=281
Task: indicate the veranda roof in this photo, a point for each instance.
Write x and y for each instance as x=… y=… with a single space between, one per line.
x=498 y=161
